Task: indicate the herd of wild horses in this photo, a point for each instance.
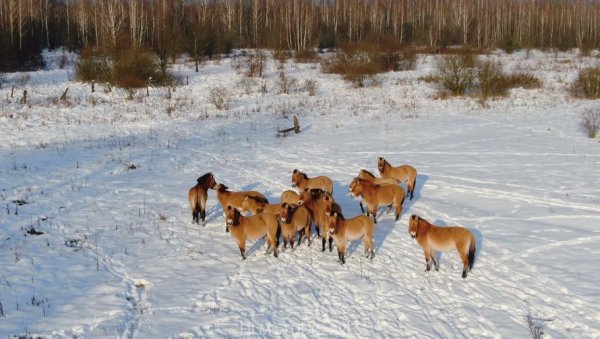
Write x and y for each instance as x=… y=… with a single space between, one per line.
x=314 y=204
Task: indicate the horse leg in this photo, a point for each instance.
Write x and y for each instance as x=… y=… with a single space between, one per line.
x=389 y=208
x=427 y=259
x=362 y=209
x=435 y=263
x=299 y=238
x=374 y=212
x=242 y=246
x=330 y=244
x=324 y=242
x=307 y=234
x=398 y=210
x=465 y=260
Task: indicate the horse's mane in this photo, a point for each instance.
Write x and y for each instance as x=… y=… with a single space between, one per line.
x=292 y=208
x=258 y=199
x=368 y=173
x=204 y=178
x=304 y=175
x=236 y=217
x=340 y=216
x=223 y=188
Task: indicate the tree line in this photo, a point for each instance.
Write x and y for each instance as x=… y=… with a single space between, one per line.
x=203 y=28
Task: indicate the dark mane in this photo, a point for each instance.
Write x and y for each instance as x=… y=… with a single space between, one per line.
x=236 y=217
x=290 y=213
x=304 y=175
x=203 y=180
x=340 y=216
x=223 y=188
x=369 y=173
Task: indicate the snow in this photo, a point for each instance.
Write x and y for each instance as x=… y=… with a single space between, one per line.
x=120 y=257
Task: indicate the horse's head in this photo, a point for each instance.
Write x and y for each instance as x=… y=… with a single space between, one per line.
x=295 y=178
x=381 y=164
x=232 y=216
x=332 y=222
x=355 y=188
x=413 y=225
x=286 y=211
x=328 y=204
x=304 y=196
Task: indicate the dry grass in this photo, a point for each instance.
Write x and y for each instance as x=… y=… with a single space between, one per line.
x=590 y=121
x=587 y=84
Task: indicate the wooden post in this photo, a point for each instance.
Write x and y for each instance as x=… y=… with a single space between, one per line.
x=296 y=124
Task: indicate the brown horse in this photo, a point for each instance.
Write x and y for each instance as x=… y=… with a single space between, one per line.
x=404 y=173
x=377 y=195
x=366 y=175
x=234 y=199
x=258 y=205
x=302 y=181
x=252 y=228
x=295 y=218
x=198 y=195
x=318 y=201
x=289 y=197
x=435 y=238
x=343 y=230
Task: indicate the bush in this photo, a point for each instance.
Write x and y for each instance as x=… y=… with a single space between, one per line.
x=491 y=80
x=132 y=69
x=590 y=121
x=455 y=73
x=220 y=97
x=509 y=44
x=286 y=84
x=135 y=68
x=587 y=84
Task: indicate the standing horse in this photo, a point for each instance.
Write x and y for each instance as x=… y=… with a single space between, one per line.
x=302 y=181
x=252 y=228
x=376 y=195
x=234 y=199
x=366 y=175
x=295 y=218
x=198 y=194
x=317 y=201
x=343 y=230
x=435 y=238
x=404 y=173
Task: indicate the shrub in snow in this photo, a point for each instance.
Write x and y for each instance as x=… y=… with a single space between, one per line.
x=591 y=123
x=587 y=84
x=455 y=73
x=220 y=97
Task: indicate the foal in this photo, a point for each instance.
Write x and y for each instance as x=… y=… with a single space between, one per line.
x=434 y=238
x=317 y=201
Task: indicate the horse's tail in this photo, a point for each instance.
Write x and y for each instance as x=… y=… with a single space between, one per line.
x=414 y=184
x=278 y=233
x=471 y=252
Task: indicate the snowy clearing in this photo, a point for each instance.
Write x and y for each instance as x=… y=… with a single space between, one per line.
x=106 y=179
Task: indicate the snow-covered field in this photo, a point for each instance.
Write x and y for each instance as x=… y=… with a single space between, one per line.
x=106 y=180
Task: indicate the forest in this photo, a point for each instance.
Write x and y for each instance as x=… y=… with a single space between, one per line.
x=204 y=28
